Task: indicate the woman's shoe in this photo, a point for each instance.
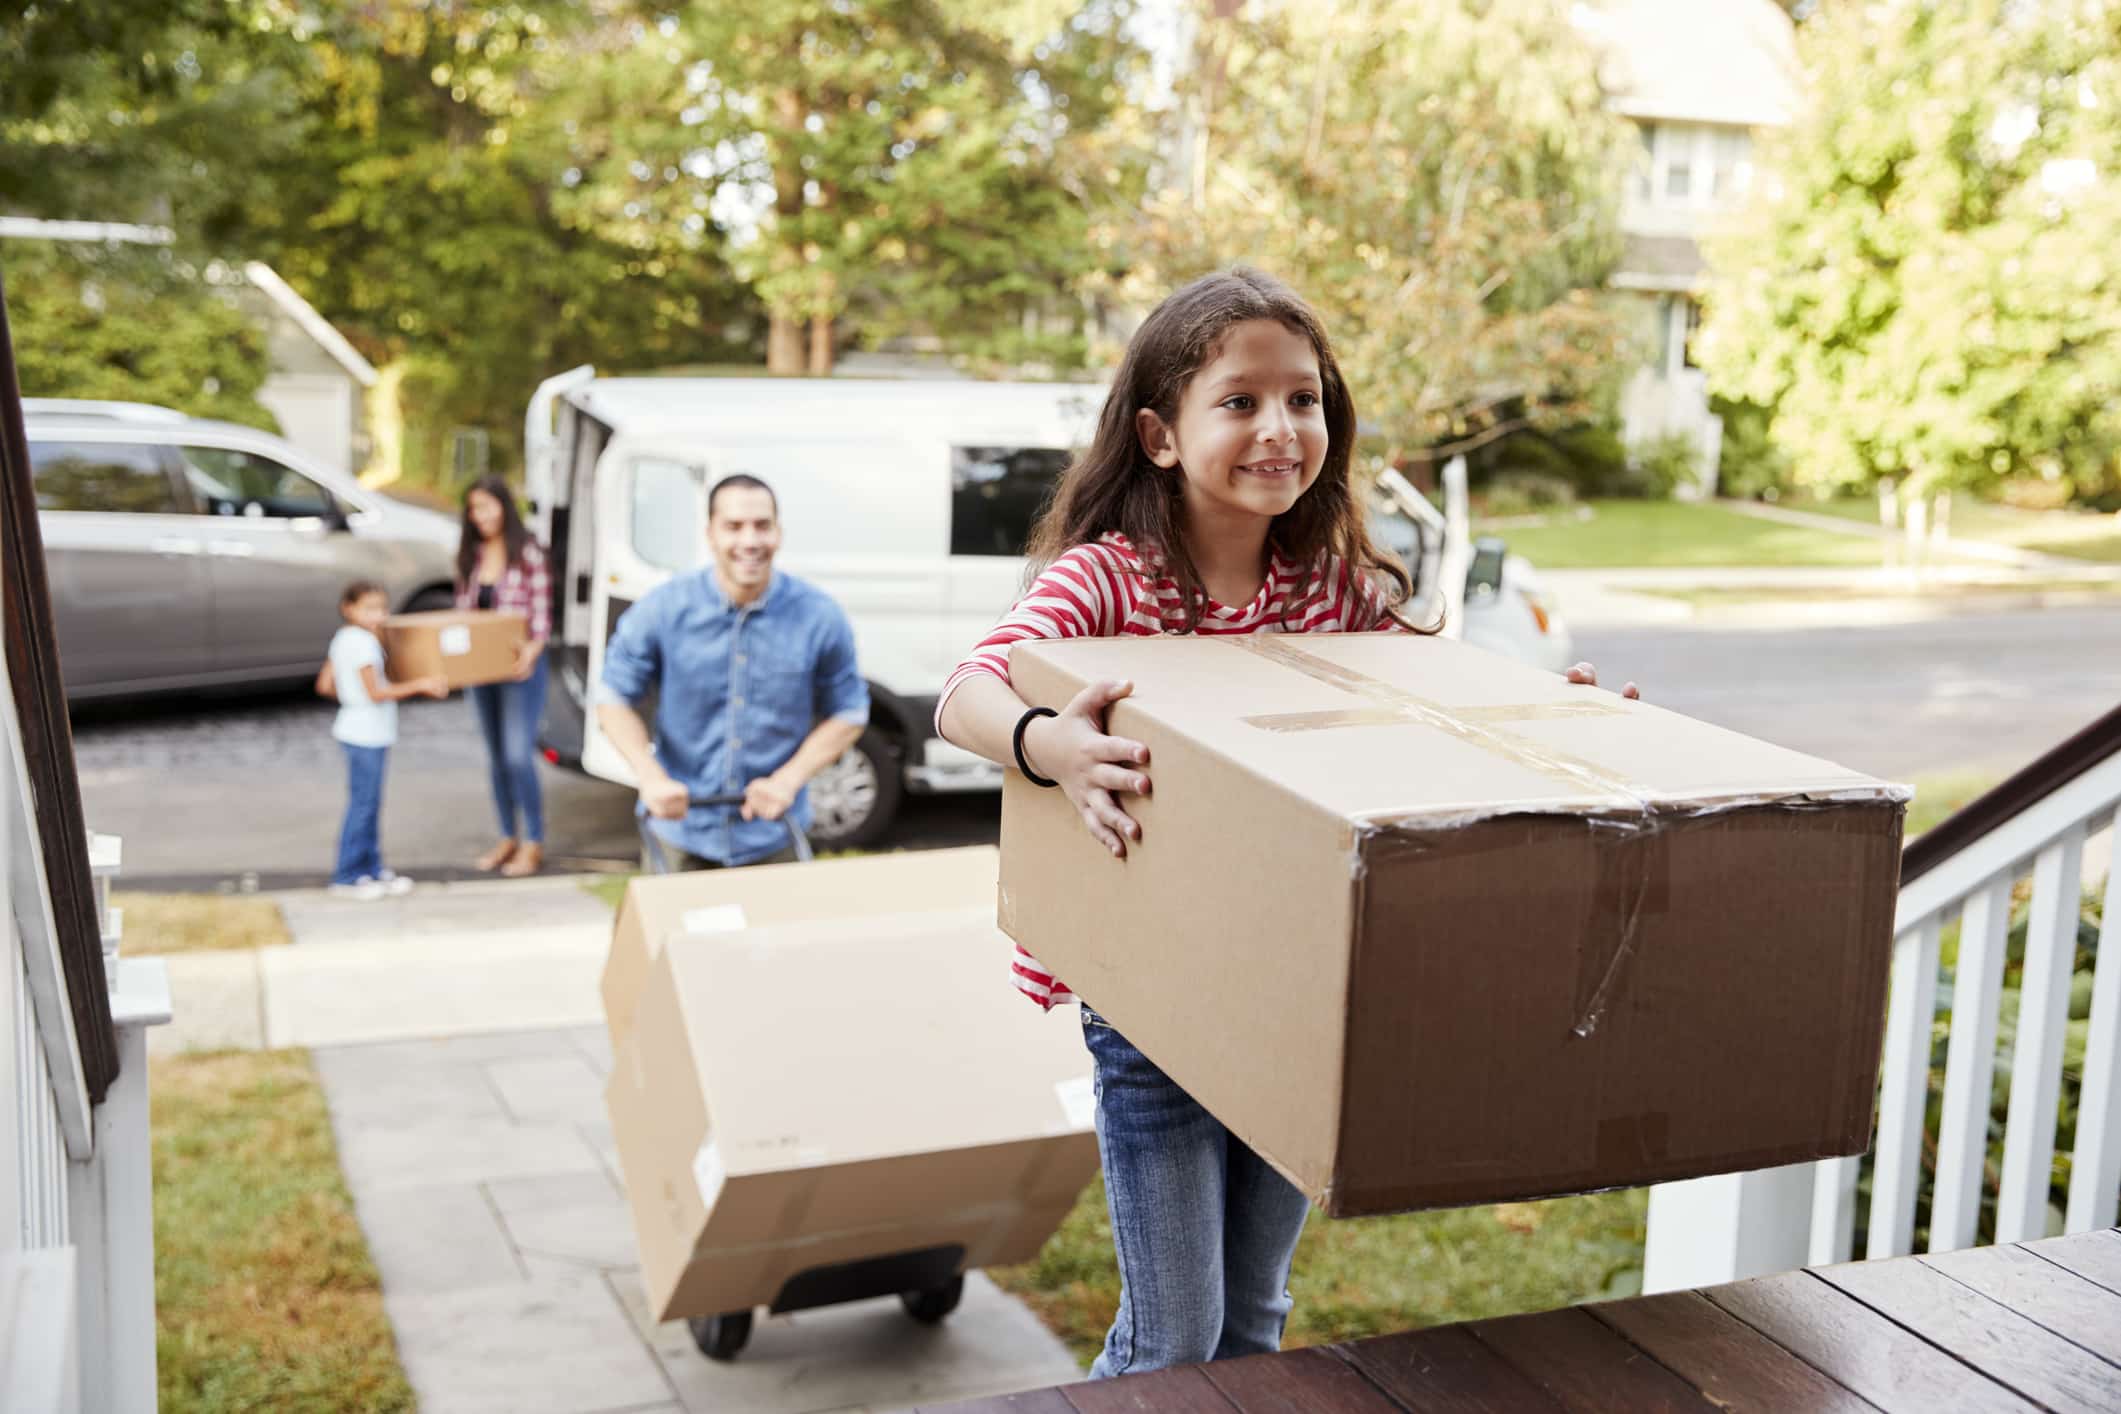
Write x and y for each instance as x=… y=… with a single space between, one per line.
x=527 y=861
x=494 y=858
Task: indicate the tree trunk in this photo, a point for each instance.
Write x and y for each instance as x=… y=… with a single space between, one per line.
x=822 y=352
x=784 y=345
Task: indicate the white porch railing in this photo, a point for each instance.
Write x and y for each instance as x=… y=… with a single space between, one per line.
x=1740 y=1225
x=76 y=1192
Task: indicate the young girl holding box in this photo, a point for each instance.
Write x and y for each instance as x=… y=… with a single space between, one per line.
x=1214 y=498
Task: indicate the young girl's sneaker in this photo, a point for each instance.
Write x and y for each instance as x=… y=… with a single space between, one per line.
x=394 y=884
x=365 y=890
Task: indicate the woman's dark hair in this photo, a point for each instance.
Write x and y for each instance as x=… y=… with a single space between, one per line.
x=1113 y=486
x=514 y=533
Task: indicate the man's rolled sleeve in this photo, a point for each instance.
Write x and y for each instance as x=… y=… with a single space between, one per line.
x=633 y=657
x=842 y=694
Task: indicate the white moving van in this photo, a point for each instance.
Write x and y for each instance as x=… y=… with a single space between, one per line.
x=908 y=502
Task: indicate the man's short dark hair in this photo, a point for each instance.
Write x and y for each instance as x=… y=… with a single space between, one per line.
x=741 y=481
x=355 y=592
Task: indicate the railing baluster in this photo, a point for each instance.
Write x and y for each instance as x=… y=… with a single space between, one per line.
x=1833 y=1210
x=2043 y=1014
x=1910 y=1012
x=1970 y=1068
x=2095 y=1172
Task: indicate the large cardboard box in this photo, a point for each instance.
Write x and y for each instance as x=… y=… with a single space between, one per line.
x=798 y=1098
x=718 y=901
x=469 y=647
x=1425 y=926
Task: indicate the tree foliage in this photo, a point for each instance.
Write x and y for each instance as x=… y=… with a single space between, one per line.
x=903 y=166
x=1439 y=177
x=131 y=323
x=1925 y=287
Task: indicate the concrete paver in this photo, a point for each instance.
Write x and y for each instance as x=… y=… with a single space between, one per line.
x=437 y=1237
x=554 y=1343
x=217 y=1004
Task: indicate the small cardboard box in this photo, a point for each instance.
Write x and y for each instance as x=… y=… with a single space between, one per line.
x=1426 y=926
x=795 y=1099
x=469 y=647
x=717 y=901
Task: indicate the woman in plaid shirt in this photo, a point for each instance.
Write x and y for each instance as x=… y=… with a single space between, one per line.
x=501 y=567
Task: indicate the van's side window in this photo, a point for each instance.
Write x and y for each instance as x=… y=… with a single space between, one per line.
x=231 y=483
x=995 y=494
x=668 y=526
x=103 y=476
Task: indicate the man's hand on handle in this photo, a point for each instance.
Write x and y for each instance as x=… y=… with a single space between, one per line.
x=665 y=798
x=768 y=798
x=1091 y=768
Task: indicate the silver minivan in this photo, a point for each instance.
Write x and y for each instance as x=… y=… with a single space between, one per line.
x=183 y=552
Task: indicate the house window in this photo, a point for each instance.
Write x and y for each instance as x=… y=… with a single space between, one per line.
x=1646 y=165
x=1678 y=172
x=996 y=493
x=1732 y=152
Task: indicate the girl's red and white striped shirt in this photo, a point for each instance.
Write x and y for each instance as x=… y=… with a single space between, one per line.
x=1108 y=588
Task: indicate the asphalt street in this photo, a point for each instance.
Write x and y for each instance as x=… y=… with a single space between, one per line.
x=245 y=791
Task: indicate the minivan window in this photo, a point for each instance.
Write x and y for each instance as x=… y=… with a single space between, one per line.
x=668 y=529
x=230 y=483
x=100 y=476
x=996 y=493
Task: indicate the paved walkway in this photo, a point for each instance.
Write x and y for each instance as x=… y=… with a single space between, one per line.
x=459 y=1038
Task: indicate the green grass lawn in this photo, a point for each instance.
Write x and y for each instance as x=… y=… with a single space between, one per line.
x=2079 y=535
x=1366 y=1276
x=265 y=1296
x=1679 y=535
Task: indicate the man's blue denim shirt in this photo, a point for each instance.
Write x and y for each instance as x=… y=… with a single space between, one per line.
x=737 y=689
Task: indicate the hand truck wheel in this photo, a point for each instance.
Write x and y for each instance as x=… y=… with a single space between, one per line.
x=931 y=1303
x=720 y=1337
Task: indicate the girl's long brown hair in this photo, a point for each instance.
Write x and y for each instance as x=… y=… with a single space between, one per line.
x=1113 y=486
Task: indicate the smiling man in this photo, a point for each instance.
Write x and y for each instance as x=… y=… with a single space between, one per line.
x=756 y=689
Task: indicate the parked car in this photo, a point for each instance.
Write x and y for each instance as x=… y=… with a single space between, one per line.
x=185 y=553
x=909 y=502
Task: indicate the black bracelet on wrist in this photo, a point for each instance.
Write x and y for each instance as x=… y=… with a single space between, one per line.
x=1016 y=743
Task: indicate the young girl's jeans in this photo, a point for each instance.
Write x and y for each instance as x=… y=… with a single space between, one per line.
x=1204 y=1229
x=360 y=848
x=508 y=719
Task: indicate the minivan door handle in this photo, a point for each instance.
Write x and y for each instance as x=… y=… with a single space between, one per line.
x=233 y=549
x=175 y=545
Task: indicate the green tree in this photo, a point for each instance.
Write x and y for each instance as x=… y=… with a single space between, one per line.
x=903 y=166
x=1439 y=177
x=132 y=323
x=1924 y=287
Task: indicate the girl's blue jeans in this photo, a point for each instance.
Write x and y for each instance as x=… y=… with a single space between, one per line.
x=508 y=719
x=1204 y=1229
x=360 y=843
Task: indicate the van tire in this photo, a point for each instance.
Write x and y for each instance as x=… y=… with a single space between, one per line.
x=854 y=800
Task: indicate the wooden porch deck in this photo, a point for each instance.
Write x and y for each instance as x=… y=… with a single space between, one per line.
x=2028 y=1326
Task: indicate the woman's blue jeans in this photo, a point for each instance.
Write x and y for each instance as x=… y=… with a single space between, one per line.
x=1204 y=1229
x=508 y=719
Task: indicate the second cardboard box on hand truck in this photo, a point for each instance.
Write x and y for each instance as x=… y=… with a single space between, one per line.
x=824 y=1090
